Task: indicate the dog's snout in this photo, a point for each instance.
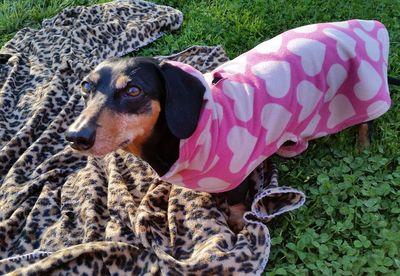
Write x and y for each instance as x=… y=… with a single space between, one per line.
x=82 y=139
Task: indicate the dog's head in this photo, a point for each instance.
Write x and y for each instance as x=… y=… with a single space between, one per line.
x=125 y=99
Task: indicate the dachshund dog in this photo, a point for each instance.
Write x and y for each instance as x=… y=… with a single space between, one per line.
x=208 y=132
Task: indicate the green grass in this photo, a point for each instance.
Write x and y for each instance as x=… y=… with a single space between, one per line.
x=350 y=222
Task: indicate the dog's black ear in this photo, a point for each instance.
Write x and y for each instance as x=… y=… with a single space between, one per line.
x=4 y=58
x=183 y=100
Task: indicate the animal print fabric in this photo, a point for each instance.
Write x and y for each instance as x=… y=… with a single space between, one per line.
x=62 y=213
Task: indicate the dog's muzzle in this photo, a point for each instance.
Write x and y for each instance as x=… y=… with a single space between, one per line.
x=82 y=139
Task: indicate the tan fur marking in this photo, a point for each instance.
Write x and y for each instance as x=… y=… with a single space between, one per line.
x=91 y=110
x=363 y=137
x=121 y=82
x=115 y=129
x=94 y=77
x=87 y=113
x=235 y=220
x=147 y=123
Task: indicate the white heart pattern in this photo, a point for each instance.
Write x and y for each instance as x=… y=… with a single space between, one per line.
x=312 y=125
x=306 y=29
x=367 y=25
x=205 y=141
x=383 y=37
x=345 y=44
x=385 y=77
x=336 y=76
x=212 y=184
x=270 y=46
x=277 y=76
x=370 y=81
x=340 y=109
x=287 y=136
x=320 y=134
x=312 y=53
x=253 y=164
x=342 y=24
x=240 y=138
x=243 y=96
x=176 y=178
x=274 y=118
x=370 y=44
x=377 y=108
x=219 y=112
x=235 y=66
x=312 y=81
x=307 y=96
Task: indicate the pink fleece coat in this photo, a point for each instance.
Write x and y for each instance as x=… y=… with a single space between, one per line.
x=303 y=84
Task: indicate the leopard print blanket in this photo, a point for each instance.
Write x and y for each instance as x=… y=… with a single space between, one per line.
x=62 y=213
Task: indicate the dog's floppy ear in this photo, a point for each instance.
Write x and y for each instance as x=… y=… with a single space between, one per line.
x=183 y=100
x=4 y=58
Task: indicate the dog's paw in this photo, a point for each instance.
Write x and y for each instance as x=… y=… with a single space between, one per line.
x=364 y=137
x=236 y=220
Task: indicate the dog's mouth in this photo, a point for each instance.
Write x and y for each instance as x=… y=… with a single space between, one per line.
x=124 y=144
x=93 y=151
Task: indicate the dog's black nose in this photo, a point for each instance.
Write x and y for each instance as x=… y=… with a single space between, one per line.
x=82 y=139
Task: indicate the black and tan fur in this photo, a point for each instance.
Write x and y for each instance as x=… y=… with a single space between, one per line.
x=151 y=123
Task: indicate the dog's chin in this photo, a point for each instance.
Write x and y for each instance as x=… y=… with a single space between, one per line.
x=101 y=149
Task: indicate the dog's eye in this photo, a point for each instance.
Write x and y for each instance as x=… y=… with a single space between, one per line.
x=133 y=91
x=86 y=87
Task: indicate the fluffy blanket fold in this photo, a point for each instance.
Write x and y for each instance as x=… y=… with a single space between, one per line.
x=64 y=213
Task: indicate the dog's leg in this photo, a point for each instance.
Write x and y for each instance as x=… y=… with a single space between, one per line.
x=365 y=129
x=364 y=135
x=237 y=207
